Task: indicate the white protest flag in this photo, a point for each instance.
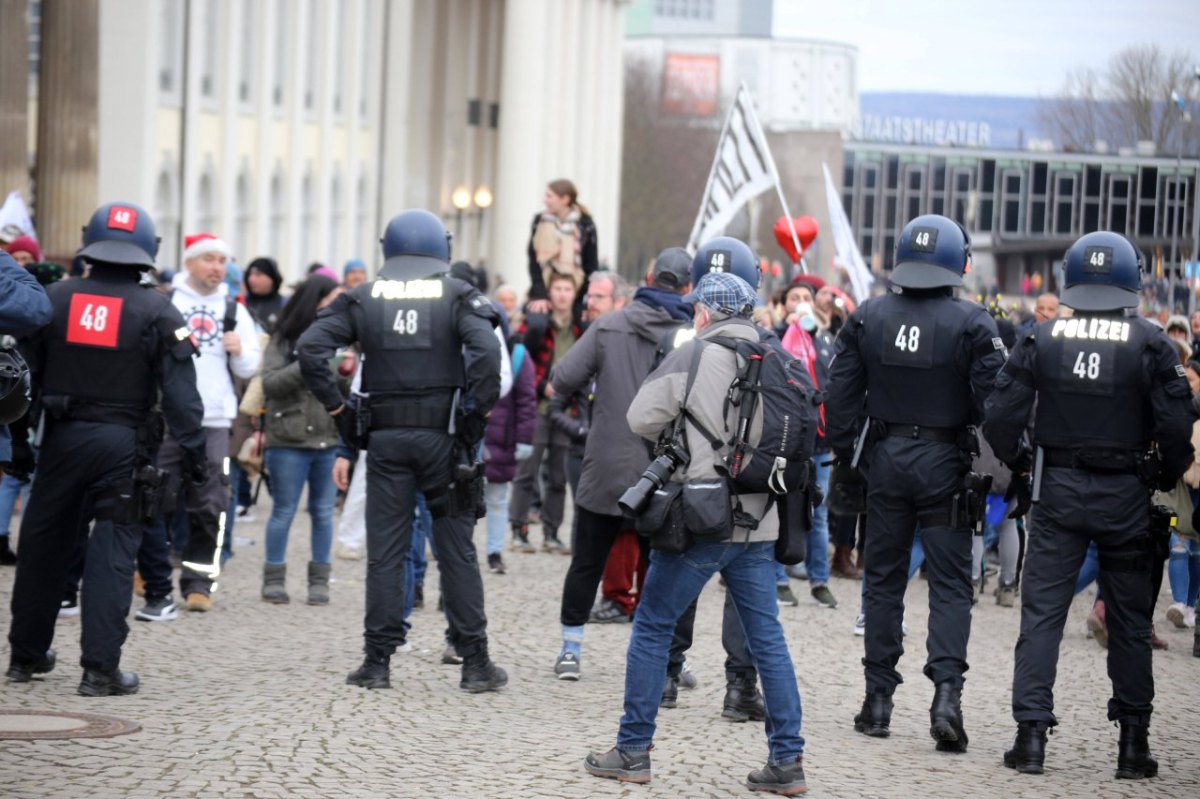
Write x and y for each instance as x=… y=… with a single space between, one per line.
x=848 y=257
x=741 y=170
x=14 y=213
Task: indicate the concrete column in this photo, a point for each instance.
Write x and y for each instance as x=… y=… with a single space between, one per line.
x=230 y=57
x=128 y=102
x=264 y=163
x=519 y=175
x=330 y=251
x=588 y=79
x=488 y=137
x=67 y=123
x=352 y=158
x=613 y=121
x=14 y=98
x=570 y=65
x=292 y=260
x=191 y=165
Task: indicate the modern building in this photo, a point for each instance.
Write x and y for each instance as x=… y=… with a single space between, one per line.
x=1023 y=209
x=296 y=128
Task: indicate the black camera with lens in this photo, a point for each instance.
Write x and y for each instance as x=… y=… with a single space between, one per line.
x=671 y=455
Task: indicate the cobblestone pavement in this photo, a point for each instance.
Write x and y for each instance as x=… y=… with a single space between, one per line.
x=249 y=701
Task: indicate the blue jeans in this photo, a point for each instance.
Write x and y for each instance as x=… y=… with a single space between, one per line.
x=1090 y=569
x=10 y=488
x=415 y=562
x=816 y=553
x=1183 y=570
x=291 y=468
x=497 y=517
x=672 y=583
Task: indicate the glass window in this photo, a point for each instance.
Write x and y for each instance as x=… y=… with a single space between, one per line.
x=312 y=58
x=249 y=51
x=208 y=55
x=1064 y=204
x=243 y=214
x=1117 y=218
x=1010 y=209
x=278 y=216
x=166 y=219
x=170 y=51
x=282 y=40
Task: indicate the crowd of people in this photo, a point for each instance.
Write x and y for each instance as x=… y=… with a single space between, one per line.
x=591 y=371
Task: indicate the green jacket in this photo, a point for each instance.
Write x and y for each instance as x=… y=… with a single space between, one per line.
x=294 y=417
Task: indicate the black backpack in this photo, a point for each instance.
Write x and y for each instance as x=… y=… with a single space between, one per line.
x=767 y=375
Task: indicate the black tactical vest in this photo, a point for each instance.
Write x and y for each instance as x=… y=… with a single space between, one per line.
x=1090 y=382
x=101 y=347
x=411 y=344
x=917 y=356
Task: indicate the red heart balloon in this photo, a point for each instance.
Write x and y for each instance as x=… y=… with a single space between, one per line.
x=806 y=231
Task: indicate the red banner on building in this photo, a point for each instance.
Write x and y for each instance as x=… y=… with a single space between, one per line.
x=691 y=84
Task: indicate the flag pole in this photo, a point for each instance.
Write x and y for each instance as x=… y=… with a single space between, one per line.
x=778 y=185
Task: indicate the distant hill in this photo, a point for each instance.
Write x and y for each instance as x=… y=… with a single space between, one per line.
x=1010 y=121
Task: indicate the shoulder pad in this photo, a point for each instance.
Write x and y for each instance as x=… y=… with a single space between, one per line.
x=478 y=304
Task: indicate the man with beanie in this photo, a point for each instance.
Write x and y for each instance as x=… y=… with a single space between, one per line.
x=354 y=273
x=223 y=332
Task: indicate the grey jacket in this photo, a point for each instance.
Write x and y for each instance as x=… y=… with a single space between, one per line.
x=662 y=399
x=294 y=417
x=618 y=351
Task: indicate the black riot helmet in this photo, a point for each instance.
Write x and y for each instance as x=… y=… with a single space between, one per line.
x=415 y=245
x=120 y=233
x=726 y=254
x=14 y=386
x=932 y=252
x=1103 y=272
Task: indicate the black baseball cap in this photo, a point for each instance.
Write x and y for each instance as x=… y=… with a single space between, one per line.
x=672 y=268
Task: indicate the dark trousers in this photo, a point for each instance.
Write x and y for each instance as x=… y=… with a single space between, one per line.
x=401 y=461
x=550 y=448
x=596 y=534
x=205 y=506
x=1077 y=507
x=80 y=462
x=909 y=479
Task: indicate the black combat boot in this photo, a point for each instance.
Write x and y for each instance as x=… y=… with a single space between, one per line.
x=1133 y=752
x=670 y=695
x=374 y=671
x=875 y=718
x=23 y=672
x=1029 y=749
x=743 y=702
x=480 y=674
x=945 y=719
x=108 y=683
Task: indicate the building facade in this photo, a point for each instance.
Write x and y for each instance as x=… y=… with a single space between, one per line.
x=1023 y=209
x=296 y=128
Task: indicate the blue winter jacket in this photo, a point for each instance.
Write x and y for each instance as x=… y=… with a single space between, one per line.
x=24 y=307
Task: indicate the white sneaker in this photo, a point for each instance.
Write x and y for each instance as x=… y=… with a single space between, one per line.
x=1189 y=617
x=860 y=624
x=687 y=677
x=1177 y=615
x=345 y=552
x=245 y=513
x=68 y=608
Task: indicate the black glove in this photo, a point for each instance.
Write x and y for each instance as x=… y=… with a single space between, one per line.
x=347 y=427
x=471 y=428
x=1020 y=488
x=1023 y=462
x=847 y=490
x=195 y=466
x=23 y=462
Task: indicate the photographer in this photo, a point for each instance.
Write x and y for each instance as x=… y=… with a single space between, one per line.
x=743 y=554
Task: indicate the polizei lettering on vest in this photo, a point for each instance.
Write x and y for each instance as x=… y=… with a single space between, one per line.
x=407 y=290
x=1094 y=329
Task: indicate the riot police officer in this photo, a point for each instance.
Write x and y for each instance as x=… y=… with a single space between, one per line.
x=923 y=362
x=431 y=369
x=98 y=369
x=1106 y=384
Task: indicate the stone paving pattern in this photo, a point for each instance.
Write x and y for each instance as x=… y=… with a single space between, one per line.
x=249 y=701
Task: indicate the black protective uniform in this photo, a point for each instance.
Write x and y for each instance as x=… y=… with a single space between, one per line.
x=925 y=362
x=98 y=369
x=425 y=342
x=1105 y=387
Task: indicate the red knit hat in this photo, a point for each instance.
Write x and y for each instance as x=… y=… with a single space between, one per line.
x=812 y=281
x=25 y=244
x=198 y=244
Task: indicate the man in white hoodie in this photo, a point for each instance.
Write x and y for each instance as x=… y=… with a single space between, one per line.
x=224 y=334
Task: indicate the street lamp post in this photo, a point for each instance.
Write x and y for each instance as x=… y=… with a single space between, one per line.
x=461 y=200
x=483 y=201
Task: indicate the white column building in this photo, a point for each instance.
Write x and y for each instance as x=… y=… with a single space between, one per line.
x=296 y=128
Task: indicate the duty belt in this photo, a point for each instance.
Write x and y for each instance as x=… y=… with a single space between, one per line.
x=1095 y=460
x=426 y=416
x=945 y=435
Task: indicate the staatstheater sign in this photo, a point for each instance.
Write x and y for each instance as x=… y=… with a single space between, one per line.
x=922 y=130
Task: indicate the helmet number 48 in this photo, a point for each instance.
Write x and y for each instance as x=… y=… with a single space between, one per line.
x=908 y=338
x=1089 y=369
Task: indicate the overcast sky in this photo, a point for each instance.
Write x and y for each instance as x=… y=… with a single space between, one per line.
x=1007 y=47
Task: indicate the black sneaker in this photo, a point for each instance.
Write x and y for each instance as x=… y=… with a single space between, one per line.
x=161 y=609
x=782 y=780
x=567 y=666
x=608 y=612
x=480 y=674
x=495 y=563
x=24 y=672
x=418 y=597
x=108 y=683
x=617 y=765
x=521 y=542
x=670 y=696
